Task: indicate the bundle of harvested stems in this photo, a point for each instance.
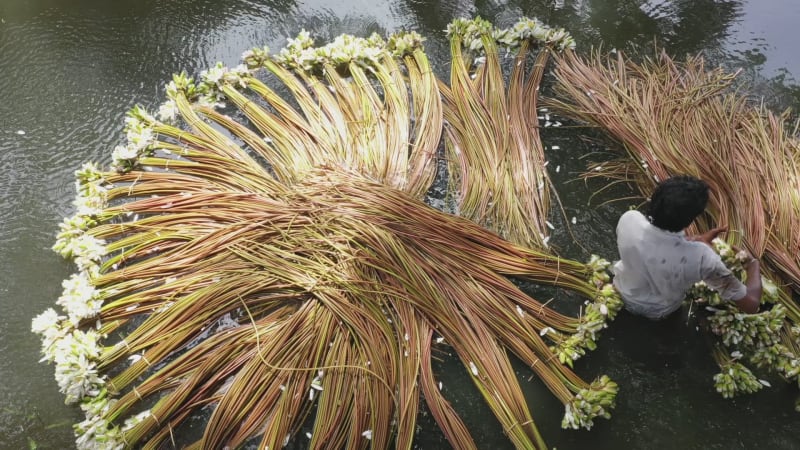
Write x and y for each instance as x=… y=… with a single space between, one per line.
x=496 y=159
x=317 y=284
x=683 y=119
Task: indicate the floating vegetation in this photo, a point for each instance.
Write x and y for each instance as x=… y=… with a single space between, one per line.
x=684 y=119
x=270 y=265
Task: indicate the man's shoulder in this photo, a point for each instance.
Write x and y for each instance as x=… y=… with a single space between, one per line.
x=632 y=217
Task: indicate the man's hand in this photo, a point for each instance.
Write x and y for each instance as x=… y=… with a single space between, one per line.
x=708 y=236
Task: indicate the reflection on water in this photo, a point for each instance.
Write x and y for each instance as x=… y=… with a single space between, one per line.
x=69 y=69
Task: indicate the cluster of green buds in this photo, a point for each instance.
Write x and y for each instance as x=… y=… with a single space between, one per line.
x=750 y=331
x=472 y=32
x=595 y=401
x=737 y=379
x=701 y=293
x=734 y=261
x=779 y=358
x=80 y=300
x=404 y=43
x=761 y=338
x=95 y=432
x=599 y=268
x=572 y=348
x=301 y=55
x=72 y=240
x=256 y=57
x=215 y=77
x=534 y=31
x=594 y=319
x=200 y=93
x=730 y=257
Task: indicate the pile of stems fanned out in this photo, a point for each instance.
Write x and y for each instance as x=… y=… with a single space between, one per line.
x=684 y=119
x=495 y=156
x=306 y=294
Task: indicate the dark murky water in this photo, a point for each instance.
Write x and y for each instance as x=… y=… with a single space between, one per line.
x=69 y=69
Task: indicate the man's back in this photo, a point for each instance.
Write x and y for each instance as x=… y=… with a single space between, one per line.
x=657 y=267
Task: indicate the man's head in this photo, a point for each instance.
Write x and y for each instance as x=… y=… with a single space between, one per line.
x=677 y=201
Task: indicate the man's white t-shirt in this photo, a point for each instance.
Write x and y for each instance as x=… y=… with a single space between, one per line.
x=657 y=267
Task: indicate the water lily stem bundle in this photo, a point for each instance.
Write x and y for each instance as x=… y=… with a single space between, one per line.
x=495 y=155
x=682 y=118
x=305 y=291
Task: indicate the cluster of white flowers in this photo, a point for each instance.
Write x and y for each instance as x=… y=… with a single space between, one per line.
x=80 y=299
x=594 y=319
x=201 y=93
x=96 y=433
x=532 y=30
x=404 y=43
x=256 y=57
x=300 y=53
x=218 y=75
x=75 y=355
x=140 y=139
x=473 y=31
x=51 y=327
x=85 y=249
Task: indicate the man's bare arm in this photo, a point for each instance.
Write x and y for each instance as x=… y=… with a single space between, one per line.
x=752 y=299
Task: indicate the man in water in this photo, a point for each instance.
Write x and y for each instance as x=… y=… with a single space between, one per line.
x=659 y=263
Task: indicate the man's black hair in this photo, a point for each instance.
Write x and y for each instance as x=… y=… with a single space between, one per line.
x=677 y=201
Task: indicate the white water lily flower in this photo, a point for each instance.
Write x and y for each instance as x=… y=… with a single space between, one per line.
x=124 y=152
x=168 y=111
x=45 y=322
x=140 y=136
x=94 y=434
x=215 y=74
x=80 y=299
x=90 y=202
